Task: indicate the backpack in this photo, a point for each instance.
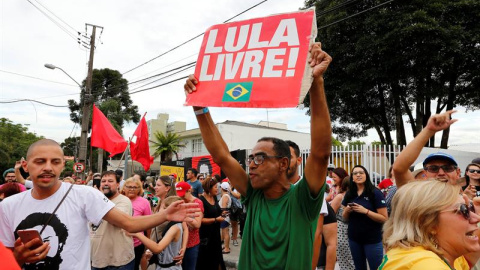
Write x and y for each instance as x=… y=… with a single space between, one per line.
x=236 y=205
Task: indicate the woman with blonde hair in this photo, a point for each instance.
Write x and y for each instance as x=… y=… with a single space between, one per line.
x=431 y=227
x=132 y=188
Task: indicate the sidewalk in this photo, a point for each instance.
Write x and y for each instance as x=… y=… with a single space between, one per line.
x=231 y=259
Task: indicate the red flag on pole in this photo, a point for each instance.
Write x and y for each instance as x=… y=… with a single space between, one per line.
x=139 y=148
x=104 y=134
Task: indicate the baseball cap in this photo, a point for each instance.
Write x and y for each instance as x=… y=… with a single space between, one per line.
x=11 y=170
x=441 y=156
x=476 y=160
x=97 y=175
x=225 y=185
x=225 y=180
x=331 y=166
x=182 y=188
x=174 y=175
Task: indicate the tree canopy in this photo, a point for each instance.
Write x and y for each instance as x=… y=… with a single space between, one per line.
x=14 y=142
x=167 y=145
x=111 y=96
x=395 y=60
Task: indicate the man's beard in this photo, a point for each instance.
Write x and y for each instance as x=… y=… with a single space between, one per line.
x=291 y=172
x=110 y=192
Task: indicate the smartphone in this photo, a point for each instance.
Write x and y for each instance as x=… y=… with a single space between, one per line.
x=350 y=204
x=28 y=235
x=96 y=183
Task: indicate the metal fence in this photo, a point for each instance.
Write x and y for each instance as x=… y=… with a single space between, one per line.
x=376 y=158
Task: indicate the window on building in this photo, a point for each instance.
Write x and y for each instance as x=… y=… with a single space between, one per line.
x=197 y=145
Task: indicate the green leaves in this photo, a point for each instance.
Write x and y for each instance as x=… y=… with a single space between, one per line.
x=166 y=145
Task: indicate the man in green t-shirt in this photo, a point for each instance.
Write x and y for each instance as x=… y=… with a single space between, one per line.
x=278 y=230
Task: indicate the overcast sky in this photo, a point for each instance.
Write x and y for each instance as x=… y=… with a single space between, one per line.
x=134 y=32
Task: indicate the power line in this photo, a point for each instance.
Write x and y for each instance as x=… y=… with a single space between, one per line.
x=356 y=14
x=176 y=47
x=32 y=100
x=57 y=17
x=36 y=78
x=55 y=22
x=162 y=78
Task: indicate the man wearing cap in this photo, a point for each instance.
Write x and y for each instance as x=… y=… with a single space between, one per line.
x=9 y=176
x=278 y=231
x=437 y=165
x=189 y=262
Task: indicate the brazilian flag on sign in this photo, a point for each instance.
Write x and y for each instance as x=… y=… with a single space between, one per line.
x=237 y=92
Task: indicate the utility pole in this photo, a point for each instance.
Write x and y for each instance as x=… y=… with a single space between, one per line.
x=87 y=102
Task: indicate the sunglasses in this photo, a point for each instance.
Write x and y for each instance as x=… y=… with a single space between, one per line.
x=464 y=210
x=436 y=168
x=473 y=171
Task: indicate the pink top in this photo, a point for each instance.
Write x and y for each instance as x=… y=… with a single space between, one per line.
x=141 y=207
x=22 y=187
x=194 y=234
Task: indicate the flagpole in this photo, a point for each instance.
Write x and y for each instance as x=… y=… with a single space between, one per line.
x=123 y=155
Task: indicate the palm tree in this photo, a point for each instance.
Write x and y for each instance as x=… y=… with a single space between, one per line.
x=167 y=145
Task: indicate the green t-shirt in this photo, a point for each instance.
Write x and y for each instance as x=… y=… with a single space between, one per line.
x=279 y=233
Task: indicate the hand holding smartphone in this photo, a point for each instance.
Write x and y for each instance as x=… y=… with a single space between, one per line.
x=28 y=235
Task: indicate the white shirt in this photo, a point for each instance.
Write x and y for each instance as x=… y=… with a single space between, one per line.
x=67 y=231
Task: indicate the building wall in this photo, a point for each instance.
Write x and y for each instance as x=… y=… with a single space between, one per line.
x=240 y=137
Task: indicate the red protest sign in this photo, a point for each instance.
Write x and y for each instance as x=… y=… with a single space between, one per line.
x=259 y=63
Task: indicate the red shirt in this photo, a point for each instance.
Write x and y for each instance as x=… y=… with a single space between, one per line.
x=8 y=261
x=194 y=234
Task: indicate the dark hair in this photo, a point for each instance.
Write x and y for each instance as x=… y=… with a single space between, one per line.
x=295 y=147
x=111 y=173
x=369 y=189
x=467 y=178
x=194 y=171
x=119 y=172
x=10 y=189
x=218 y=177
x=280 y=147
x=340 y=172
x=345 y=184
x=208 y=184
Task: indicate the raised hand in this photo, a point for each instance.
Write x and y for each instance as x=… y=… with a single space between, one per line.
x=318 y=60
x=441 y=121
x=181 y=211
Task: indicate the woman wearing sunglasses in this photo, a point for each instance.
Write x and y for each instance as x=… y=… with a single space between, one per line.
x=431 y=227
x=472 y=178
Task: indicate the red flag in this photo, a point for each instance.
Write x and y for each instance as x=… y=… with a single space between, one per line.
x=104 y=134
x=139 y=148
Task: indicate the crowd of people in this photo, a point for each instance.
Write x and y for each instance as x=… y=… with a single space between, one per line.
x=420 y=217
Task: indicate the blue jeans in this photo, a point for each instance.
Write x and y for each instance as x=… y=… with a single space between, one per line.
x=128 y=266
x=190 y=258
x=373 y=253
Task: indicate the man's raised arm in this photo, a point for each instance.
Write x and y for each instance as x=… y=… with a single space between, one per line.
x=215 y=144
x=320 y=126
x=401 y=166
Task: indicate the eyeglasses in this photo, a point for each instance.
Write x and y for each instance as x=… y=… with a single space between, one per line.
x=359 y=173
x=258 y=159
x=436 y=168
x=473 y=171
x=131 y=187
x=464 y=210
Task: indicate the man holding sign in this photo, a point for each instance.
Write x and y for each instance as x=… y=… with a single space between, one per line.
x=281 y=218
